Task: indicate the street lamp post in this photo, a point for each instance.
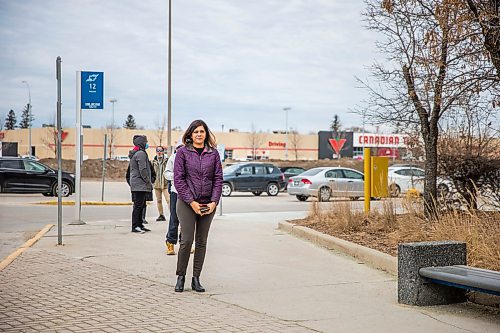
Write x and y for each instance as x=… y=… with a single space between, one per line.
x=112 y=101
x=286 y=131
x=29 y=117
x=169 y=83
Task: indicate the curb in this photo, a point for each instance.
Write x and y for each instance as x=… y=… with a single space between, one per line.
x=85 y=203
x=6 y=262
x=367 y=255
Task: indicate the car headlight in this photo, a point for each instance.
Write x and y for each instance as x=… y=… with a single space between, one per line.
x=72 y=175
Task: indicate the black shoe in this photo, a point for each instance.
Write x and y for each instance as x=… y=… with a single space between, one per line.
x=161 y=218
x=179 y=286
x=196 y=286
x=145 y=222
x=145 y=229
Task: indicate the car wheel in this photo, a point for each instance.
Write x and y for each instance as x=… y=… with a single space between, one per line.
x=257 y=193
x=272 y=189
x=324 y=194
x=302 y=197
x=442 y=190
x=65 y=192
x=394 y=190
x=226 y=189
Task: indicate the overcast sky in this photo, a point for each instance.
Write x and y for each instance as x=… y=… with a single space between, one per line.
x=234 y=62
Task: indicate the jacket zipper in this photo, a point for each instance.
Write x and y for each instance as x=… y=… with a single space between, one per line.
x=201 y=169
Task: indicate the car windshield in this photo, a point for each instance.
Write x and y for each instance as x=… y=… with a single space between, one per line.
x=311 y=172
x=230 y=169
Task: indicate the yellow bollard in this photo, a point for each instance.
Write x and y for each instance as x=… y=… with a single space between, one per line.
x=368 y=181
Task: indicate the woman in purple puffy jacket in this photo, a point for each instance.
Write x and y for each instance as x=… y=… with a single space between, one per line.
x=198 y=180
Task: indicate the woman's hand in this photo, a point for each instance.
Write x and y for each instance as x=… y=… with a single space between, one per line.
x=212 y=206
x=196 y=207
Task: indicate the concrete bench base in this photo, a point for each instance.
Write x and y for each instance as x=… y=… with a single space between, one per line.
x=414 y=289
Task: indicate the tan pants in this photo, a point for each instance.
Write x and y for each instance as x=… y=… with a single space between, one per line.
x=159 y=199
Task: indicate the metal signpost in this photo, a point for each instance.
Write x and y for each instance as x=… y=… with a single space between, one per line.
x=89 y=96
x=59 y=154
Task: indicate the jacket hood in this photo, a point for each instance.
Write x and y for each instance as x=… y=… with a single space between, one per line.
x=140 y=141
x=132 y=152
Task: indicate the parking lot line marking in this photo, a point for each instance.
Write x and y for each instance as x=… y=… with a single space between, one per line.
x=11 y=257
x=86 y=203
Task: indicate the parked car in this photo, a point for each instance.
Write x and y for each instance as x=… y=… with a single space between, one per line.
x=403 y=178
x=327 y=182
x=253 y=177
x=291 y=171
x=21 y=175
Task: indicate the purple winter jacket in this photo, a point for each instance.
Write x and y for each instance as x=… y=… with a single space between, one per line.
x=198 y=177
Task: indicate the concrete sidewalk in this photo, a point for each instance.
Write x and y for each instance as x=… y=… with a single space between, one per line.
x=258 y=279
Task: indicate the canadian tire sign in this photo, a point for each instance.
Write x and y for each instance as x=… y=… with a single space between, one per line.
x=331 y=145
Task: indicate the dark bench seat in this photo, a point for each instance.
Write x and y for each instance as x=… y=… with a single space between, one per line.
x=465 y=277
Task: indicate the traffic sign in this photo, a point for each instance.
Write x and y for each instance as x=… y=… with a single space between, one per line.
x=92 y=90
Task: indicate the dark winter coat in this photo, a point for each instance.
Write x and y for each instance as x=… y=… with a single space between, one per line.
x=198 y=177
x=140 y=172
x=149 y=195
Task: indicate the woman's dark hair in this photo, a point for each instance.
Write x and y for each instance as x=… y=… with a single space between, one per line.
x=209 y=139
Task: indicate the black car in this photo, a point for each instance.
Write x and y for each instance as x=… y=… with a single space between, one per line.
x=291 y=171
x=253 y=177
x=20 y=175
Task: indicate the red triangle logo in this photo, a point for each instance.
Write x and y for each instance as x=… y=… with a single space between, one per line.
x=337 y=144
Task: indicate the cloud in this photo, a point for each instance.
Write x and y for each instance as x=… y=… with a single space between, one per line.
x=233 y=62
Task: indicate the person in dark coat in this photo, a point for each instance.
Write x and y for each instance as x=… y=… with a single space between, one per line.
x=149 y=195
x=140 y=180
x=198 y=181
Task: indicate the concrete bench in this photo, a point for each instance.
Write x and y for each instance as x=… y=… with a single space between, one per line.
x=435 y=273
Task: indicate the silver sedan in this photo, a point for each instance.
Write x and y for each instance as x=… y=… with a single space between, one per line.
x=327 y=182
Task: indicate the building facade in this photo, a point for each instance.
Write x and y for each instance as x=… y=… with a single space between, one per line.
x=238 y=145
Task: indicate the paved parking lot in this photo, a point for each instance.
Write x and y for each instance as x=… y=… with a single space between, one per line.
x=258 y=278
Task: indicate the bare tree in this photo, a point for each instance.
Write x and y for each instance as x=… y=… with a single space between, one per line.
x=111 y=131
x=485 y=13
x=255 y=140
x=49 y=135
x=160 y=130
x=432 y=68
x=295 y=141
x=469 y=155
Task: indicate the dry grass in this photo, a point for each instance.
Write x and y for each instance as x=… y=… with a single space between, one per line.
x=481 y=232
x=384 y=230
x=339 y=216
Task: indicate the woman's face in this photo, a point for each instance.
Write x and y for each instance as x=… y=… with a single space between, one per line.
x=199 y=136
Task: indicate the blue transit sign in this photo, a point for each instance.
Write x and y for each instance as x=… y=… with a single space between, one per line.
x=92 y=88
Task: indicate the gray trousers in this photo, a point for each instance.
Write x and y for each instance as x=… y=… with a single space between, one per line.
x=194 y=227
